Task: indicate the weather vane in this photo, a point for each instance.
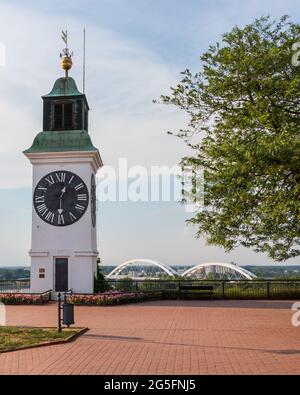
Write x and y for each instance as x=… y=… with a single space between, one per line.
x=66 y=55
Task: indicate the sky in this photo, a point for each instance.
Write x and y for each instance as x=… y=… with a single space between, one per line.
x=136 y=50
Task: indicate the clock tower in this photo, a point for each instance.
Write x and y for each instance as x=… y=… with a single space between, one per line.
x=65 y=162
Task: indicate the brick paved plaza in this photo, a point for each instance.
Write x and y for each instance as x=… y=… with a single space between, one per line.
x=165 y=337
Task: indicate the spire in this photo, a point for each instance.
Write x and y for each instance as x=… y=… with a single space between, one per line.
x=66 y=55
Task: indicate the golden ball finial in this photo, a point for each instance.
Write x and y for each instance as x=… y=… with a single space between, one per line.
x=66 y=63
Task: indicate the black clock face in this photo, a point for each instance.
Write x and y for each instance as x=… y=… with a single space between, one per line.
x=61 y=198
x=93 y=200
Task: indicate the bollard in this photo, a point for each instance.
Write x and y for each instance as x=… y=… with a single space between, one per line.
x=59 y=312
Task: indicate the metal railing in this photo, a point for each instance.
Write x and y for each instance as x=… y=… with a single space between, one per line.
x=222 y=289
x=46 y=296
x=22 y=286
x=15 y=286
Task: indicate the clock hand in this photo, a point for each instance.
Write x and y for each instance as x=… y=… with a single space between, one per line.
x=60 y=210
x=62 y=192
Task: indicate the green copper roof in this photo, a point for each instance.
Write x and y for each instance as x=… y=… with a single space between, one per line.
x=62 y=141
x=64 y=87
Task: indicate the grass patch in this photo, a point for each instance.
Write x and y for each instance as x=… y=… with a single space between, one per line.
x=13 y=338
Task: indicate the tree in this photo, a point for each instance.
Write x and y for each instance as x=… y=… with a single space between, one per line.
x=100 y=282
x=244 y=108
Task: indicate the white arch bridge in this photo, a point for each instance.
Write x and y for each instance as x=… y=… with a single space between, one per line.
x=218 y=269
x=202 y=271
x=141 y=262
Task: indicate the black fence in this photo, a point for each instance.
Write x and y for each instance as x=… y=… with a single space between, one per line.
x=15 y=286
x=171 y=289
x=221 y=289
x=45 y=296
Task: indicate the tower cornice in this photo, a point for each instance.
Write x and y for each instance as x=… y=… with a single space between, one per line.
x=92 y=157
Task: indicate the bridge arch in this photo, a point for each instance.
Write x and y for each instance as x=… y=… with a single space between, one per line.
x=229 y=266
x=167 y=269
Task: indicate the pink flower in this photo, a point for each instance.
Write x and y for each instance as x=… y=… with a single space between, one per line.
x=108 y=298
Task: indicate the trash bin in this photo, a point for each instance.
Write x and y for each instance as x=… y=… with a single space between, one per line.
x=68 y=314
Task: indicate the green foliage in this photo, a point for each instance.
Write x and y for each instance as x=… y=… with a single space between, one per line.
x=125 y=284
x=244 y=130
x=100 y=282
x=14 y=273
x=275 y=272
x=165 y=276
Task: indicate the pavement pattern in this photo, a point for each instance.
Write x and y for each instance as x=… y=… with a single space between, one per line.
x=164 y=337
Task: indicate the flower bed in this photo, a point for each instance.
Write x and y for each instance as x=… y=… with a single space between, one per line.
x=18 y=298
x=109 y=298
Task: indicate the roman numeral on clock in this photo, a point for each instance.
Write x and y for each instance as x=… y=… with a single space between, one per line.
x=50 y=217
x=39 y=199
x=72 y=216
x=79 y=186
x=79 y=207
x=50 y=179
x=42 y=209
x=82 y=197
x=61 y=177
x=60 y=219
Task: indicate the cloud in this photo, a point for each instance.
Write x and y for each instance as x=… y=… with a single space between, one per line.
x=124 y=71
x=122 y=80
x=135 y=51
